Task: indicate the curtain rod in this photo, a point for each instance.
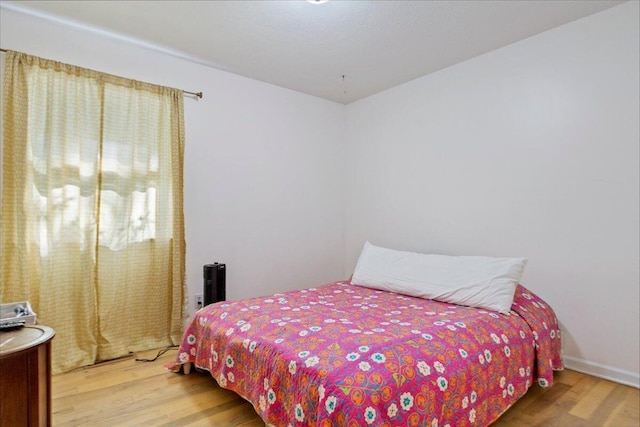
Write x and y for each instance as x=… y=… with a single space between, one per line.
x=198 y=94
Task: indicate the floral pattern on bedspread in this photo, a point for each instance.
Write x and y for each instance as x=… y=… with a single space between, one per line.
x=345 y=355
x=545 y=330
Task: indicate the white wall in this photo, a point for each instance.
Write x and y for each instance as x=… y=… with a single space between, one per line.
x=263 y=165
x=530 y=150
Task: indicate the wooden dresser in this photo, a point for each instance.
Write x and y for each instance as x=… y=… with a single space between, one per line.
x=25 y=376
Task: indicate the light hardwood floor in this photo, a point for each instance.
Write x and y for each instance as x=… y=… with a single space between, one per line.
x=130 y=393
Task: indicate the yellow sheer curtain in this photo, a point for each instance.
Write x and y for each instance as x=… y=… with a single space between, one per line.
x=92 y=208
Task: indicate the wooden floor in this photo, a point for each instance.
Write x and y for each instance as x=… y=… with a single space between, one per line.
x=130 y=393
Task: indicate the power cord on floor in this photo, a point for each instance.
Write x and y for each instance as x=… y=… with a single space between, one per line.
x=160 y=353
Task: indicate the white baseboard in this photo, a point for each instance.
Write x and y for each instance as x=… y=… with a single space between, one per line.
x=602 y=371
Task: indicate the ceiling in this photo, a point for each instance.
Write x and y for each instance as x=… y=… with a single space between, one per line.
x=308 y=47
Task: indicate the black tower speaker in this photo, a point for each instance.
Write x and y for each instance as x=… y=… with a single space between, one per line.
x=214 y=283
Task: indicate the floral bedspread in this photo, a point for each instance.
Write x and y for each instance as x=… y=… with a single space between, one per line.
x=345 y=355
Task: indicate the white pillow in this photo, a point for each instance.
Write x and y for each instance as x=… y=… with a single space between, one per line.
x=473 y=281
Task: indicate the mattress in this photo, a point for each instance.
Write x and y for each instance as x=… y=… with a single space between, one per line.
x=346 y=355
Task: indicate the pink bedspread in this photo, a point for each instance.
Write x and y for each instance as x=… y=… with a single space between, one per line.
x=345 y=355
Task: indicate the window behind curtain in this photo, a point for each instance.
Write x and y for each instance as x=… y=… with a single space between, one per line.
x=92 y=217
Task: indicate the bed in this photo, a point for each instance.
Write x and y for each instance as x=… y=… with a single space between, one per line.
x=348 y=355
